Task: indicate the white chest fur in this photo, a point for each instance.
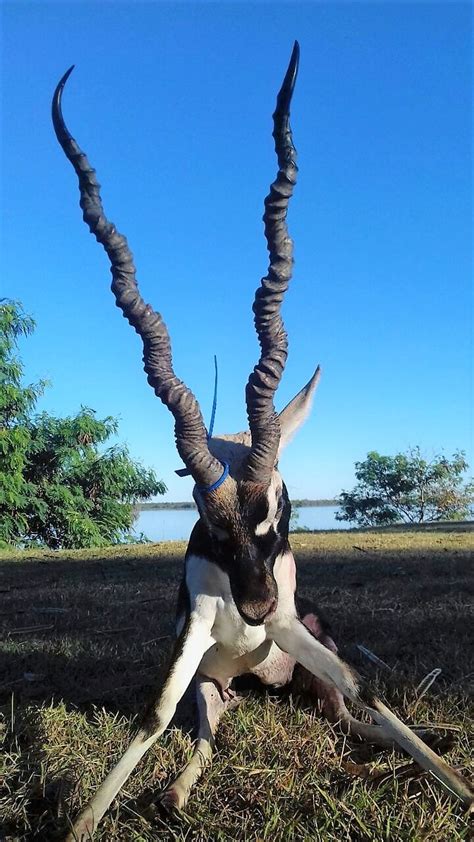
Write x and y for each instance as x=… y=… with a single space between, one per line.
x=212 y=599
x=232 y=632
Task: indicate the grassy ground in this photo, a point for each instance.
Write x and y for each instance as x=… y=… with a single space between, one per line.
x=85 y=640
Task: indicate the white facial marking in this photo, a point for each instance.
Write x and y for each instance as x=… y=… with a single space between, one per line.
x=262 y=528
x=273 y=496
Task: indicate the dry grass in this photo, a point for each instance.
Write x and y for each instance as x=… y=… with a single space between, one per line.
x=85 y=640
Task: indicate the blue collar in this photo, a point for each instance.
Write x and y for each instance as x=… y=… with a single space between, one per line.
x=207 y=488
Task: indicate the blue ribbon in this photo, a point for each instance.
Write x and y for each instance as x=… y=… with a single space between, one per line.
x=184 y=472
x=214 y=402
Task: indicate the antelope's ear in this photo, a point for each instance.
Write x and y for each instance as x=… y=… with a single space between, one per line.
x=296 y=412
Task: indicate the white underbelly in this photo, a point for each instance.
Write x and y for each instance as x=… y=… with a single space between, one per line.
x=267 y=662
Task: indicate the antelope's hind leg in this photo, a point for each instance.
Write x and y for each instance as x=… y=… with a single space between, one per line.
x=211 y=704
x=325 y=696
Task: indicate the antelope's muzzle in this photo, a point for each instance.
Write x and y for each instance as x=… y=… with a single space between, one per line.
x=255 y=593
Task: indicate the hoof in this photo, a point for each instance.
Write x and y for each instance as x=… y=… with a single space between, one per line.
x=226 y=693
x=169 y=802
x=441 y=743
x=229 y=696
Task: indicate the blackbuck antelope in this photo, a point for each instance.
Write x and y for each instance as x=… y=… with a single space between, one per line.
x=236 y=609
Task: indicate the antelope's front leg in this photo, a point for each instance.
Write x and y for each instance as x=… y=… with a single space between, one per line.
x=194 y=640
x=291 y=635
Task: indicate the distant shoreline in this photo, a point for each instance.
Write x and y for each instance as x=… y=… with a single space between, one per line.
x=144 y=507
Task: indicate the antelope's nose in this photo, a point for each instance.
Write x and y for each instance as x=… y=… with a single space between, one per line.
x=256 y=617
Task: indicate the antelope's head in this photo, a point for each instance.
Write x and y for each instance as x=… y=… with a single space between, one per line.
x=243 y=504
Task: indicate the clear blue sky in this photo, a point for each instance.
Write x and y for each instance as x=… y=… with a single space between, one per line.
x=173 y=103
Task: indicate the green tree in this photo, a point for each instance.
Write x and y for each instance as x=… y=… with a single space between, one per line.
x=407 y=488
x=59 y=485
x=16 y=403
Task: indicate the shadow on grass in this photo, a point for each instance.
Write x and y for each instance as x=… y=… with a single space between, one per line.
x=97 y=633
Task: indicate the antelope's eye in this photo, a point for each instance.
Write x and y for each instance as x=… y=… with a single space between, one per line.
x=260 y=512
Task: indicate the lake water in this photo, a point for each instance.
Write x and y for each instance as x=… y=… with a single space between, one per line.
x=176 y=524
